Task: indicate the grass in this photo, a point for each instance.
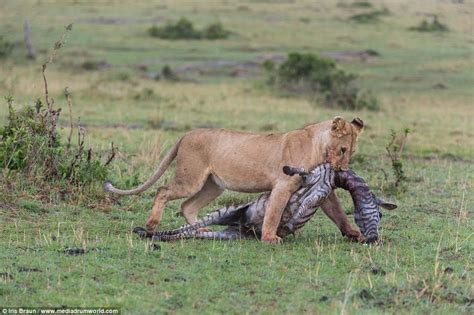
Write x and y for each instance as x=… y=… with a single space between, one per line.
x=425 y=264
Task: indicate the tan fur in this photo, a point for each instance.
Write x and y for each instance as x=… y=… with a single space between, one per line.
x=208 y=161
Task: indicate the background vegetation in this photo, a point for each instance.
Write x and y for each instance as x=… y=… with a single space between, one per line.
x=74 y=247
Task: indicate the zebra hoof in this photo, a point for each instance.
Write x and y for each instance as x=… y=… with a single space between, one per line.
x=141 y=232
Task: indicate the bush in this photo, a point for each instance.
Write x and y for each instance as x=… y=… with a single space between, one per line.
x=319 y=78
x=215 y=31
x=434 y=26
x=372 y=52
x=93 y=65
x=168 y=74
x=184 y=29
x=6 y=47
x=369 y=17
x=28 y=137
x=361 y=4
x=306 y=67
x=31 y=145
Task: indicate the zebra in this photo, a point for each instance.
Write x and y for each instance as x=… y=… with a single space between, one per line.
x=367 y=214
x=245 y=221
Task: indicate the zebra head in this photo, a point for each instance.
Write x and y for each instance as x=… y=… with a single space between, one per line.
x=368 y=216
x=321 y=172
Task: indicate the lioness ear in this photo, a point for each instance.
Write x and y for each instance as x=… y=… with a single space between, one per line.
x=357 y=123
x=338 y=124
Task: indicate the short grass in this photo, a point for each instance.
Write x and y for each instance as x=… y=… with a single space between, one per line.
x=423 y=80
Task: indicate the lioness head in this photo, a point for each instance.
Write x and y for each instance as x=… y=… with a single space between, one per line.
x=343 y=141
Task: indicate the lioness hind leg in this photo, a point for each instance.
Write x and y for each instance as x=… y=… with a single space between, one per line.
x=186 y=182
x=163 y=195
x=190 y=208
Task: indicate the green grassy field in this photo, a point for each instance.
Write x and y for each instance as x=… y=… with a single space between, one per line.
x=423 y=80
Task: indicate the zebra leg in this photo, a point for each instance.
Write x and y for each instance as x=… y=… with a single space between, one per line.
x=142 y=232
x=224 y=216
x=230 y=233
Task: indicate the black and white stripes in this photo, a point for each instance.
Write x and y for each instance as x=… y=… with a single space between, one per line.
x=367 y=213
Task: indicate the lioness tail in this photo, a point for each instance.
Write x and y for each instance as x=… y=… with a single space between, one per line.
x=164 y=164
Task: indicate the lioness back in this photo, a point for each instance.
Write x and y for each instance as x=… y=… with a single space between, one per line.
x=243 y=161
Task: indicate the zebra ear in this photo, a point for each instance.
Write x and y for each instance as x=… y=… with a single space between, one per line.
x=358 y=123
x=384 y=204
x=290 y=171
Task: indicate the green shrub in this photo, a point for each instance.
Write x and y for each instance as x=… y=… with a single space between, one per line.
x=319 y=78
x=369 y=17
x=268 y=65
x=306 y=67
x=361 y=4
x=184 y=29
x=168 y=74
x=6 y=47
x=93 y=65
x=434 y=26
x=28 y=138
x=31 y=145
x=372 y=52
x=215 y=31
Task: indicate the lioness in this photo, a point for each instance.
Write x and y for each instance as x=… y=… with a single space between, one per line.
x=208 y=161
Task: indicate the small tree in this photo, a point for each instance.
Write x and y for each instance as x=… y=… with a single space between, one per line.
x=394 y=152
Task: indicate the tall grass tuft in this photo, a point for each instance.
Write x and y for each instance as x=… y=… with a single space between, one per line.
x=394 y=150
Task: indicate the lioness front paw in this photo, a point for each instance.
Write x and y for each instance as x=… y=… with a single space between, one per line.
x=151 y=224
x=272 y=239
x=354 y=236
